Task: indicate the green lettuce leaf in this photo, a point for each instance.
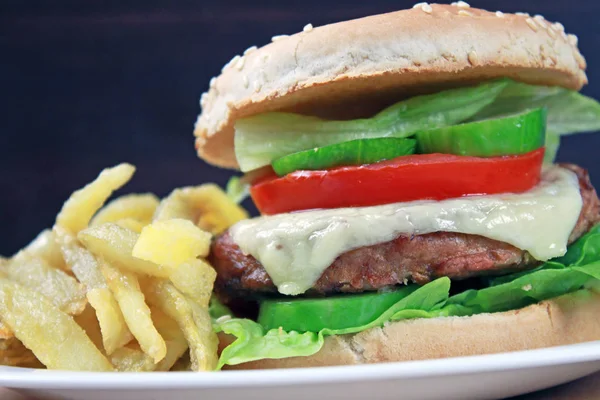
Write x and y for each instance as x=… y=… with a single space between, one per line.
x=584 y=251
x=216 y=309
x=236 y=190
x=528 y=289
x=569 y=112
x=552 y=145
x=265 y=137
x=254 y=343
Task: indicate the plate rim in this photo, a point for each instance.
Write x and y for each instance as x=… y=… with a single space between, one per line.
x=23 y=378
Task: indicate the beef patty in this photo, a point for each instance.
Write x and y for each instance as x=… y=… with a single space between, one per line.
x=419 y=259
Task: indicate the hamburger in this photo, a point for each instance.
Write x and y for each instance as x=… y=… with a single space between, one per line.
x=411 y=207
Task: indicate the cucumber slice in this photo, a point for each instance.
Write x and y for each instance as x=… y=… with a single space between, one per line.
x=515 y=134
x=337 y=312
x=354 y=152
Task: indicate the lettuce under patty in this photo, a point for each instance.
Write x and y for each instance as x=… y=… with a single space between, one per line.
x=578 y=269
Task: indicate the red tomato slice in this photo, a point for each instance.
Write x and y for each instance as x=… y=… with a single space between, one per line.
x=406 y=178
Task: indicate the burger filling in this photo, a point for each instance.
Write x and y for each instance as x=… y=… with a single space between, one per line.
x=447 y=204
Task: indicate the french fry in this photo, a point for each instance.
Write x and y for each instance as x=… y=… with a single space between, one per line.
x=174 y=338
x=219 y=212
x=114 y=329
x=81 y=262
x=132 y=359
x=195 y=279
x=115 y=244
x=197 y=329
x=172 y=242
x=138 y=207
x=53 y=336
x=210 y=340
x=131 y=224
x=89 y=323
x=35 y=273
x=45 y=246
x=115 y=333
x=208 y=206
x=177 y=205
x=93 y=265
x=79 y=209
x=177 y=243
x=136 y=312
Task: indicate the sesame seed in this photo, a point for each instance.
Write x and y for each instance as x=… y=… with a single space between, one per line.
x=551 y=33
x=266 y=57
x=454 y=4
x=532 y=24
x=462 y=4
x=419 y=5
x=465 y=13
x=472 y=57
x=559 y=27
x=541 y=21
x=499 y=14
x=233 y=61
x=250 y=50
x=256 y=85
x=245 y=80
x=279 y=37
x=240 y=63
x=573 y=40
x=522 y=14
x=427 y=8
x=213 y=82
x=204 y=99
x=307 y=28
x=527 y=287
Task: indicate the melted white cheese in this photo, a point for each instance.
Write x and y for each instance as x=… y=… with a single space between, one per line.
x=296 y=248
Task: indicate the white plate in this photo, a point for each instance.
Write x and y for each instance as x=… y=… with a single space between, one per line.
x=480 y=377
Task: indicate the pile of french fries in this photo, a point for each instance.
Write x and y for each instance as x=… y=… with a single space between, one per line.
x=118 y=287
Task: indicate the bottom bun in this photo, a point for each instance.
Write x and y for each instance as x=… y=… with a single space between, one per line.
x=568 y=319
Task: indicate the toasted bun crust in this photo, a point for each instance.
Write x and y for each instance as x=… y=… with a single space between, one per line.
x=565 y=320
x=354 y=68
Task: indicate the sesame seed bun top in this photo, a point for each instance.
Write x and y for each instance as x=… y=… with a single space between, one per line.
x=355 y=68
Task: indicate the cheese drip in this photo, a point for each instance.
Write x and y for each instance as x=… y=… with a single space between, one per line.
x=296 y=248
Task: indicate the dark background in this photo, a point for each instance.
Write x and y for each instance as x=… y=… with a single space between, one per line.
x=89 y=84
